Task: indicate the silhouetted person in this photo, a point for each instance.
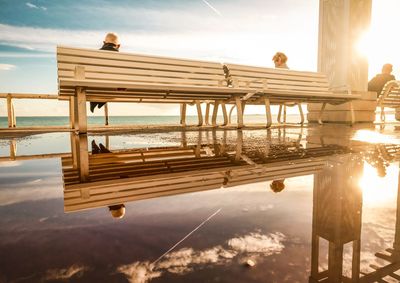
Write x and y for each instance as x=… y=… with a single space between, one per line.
x=110 y=43
x=277 y=185
x=378 y=82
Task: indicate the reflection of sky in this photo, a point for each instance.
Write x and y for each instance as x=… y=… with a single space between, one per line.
x=271 y=229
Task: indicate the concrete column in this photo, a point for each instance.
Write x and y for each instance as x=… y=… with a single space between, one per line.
x=341 y=24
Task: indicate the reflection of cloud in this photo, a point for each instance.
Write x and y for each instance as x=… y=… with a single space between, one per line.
x=139 y=272
x=185 y=259
x=65 y=273
x=257 y=243
x=39 y=189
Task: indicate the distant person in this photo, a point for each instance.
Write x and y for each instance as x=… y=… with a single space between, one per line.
x=277 y=185
x=110 y=43
x=280 y=60
x=378 y=82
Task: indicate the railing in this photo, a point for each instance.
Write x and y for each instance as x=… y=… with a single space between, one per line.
x=12 y=122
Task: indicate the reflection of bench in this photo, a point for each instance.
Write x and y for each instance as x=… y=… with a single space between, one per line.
x=285 y=87
x=390 y=97
x=103 y=76
x=114 y=178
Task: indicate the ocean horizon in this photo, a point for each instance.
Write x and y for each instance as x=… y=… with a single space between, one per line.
x=32 y=121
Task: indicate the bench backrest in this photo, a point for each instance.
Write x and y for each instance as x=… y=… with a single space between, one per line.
x=390 y=96
x=126 y=67
x=277 y=79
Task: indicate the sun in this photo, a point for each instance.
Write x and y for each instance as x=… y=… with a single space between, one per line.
x=380 y=44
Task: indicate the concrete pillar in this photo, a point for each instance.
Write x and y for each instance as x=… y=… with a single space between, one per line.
x=341 y=24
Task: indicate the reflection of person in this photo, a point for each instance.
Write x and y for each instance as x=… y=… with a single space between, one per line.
x=110 y=43
x=117 y=211
x=277 y=185
x=280 y=60
x=378 y=82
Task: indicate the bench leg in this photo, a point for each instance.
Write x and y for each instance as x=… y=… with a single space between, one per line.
x=10 y=112
x=183 y=114
x=239 y=112
x=106 y=114
x=353 y=118
x=215 y=113
x=301 y=114
x=321 y=112
x=72 y=112
x=239 y=145
x=280 y=113
x=81 y=110
x=284 y=114
x=230 y=114
x=268 y=112
x=79 y=144
x=207 y=115
x=224 y=112
x=199 y=114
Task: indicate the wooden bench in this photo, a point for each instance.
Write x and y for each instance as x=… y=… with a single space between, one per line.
x=284 y=87
x=389 y=97
x=104 y=76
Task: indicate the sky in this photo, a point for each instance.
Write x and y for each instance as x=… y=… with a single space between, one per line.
x=240 y=31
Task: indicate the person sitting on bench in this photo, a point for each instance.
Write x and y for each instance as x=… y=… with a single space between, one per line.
x=378 y=82
x=110 y=43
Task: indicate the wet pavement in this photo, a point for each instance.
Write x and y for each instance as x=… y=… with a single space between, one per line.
x=311 y=204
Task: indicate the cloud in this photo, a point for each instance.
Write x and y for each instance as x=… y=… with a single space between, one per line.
x=30 y=5
x=33 y=6
x=208 y=43
x=65 y=273
x=6 y=67
x=186 y=259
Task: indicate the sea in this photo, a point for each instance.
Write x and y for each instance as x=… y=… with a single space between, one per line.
x=129 y=120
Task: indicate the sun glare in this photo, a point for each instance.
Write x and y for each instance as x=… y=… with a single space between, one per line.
x=379 y=44
x=379 y=190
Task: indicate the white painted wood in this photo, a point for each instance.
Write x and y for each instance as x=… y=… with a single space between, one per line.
x=183 y=114
x=268 y=112
x=239 y=112
x=215 y=113
x=199 y=113
x=10 y=112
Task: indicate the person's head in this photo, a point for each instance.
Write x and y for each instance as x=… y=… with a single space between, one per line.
x=277 y=185
x=387 y=69
x=112 y=38
x=279 y=59
x=117 y=211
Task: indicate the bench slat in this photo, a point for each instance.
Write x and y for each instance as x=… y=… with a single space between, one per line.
x=123 y=56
